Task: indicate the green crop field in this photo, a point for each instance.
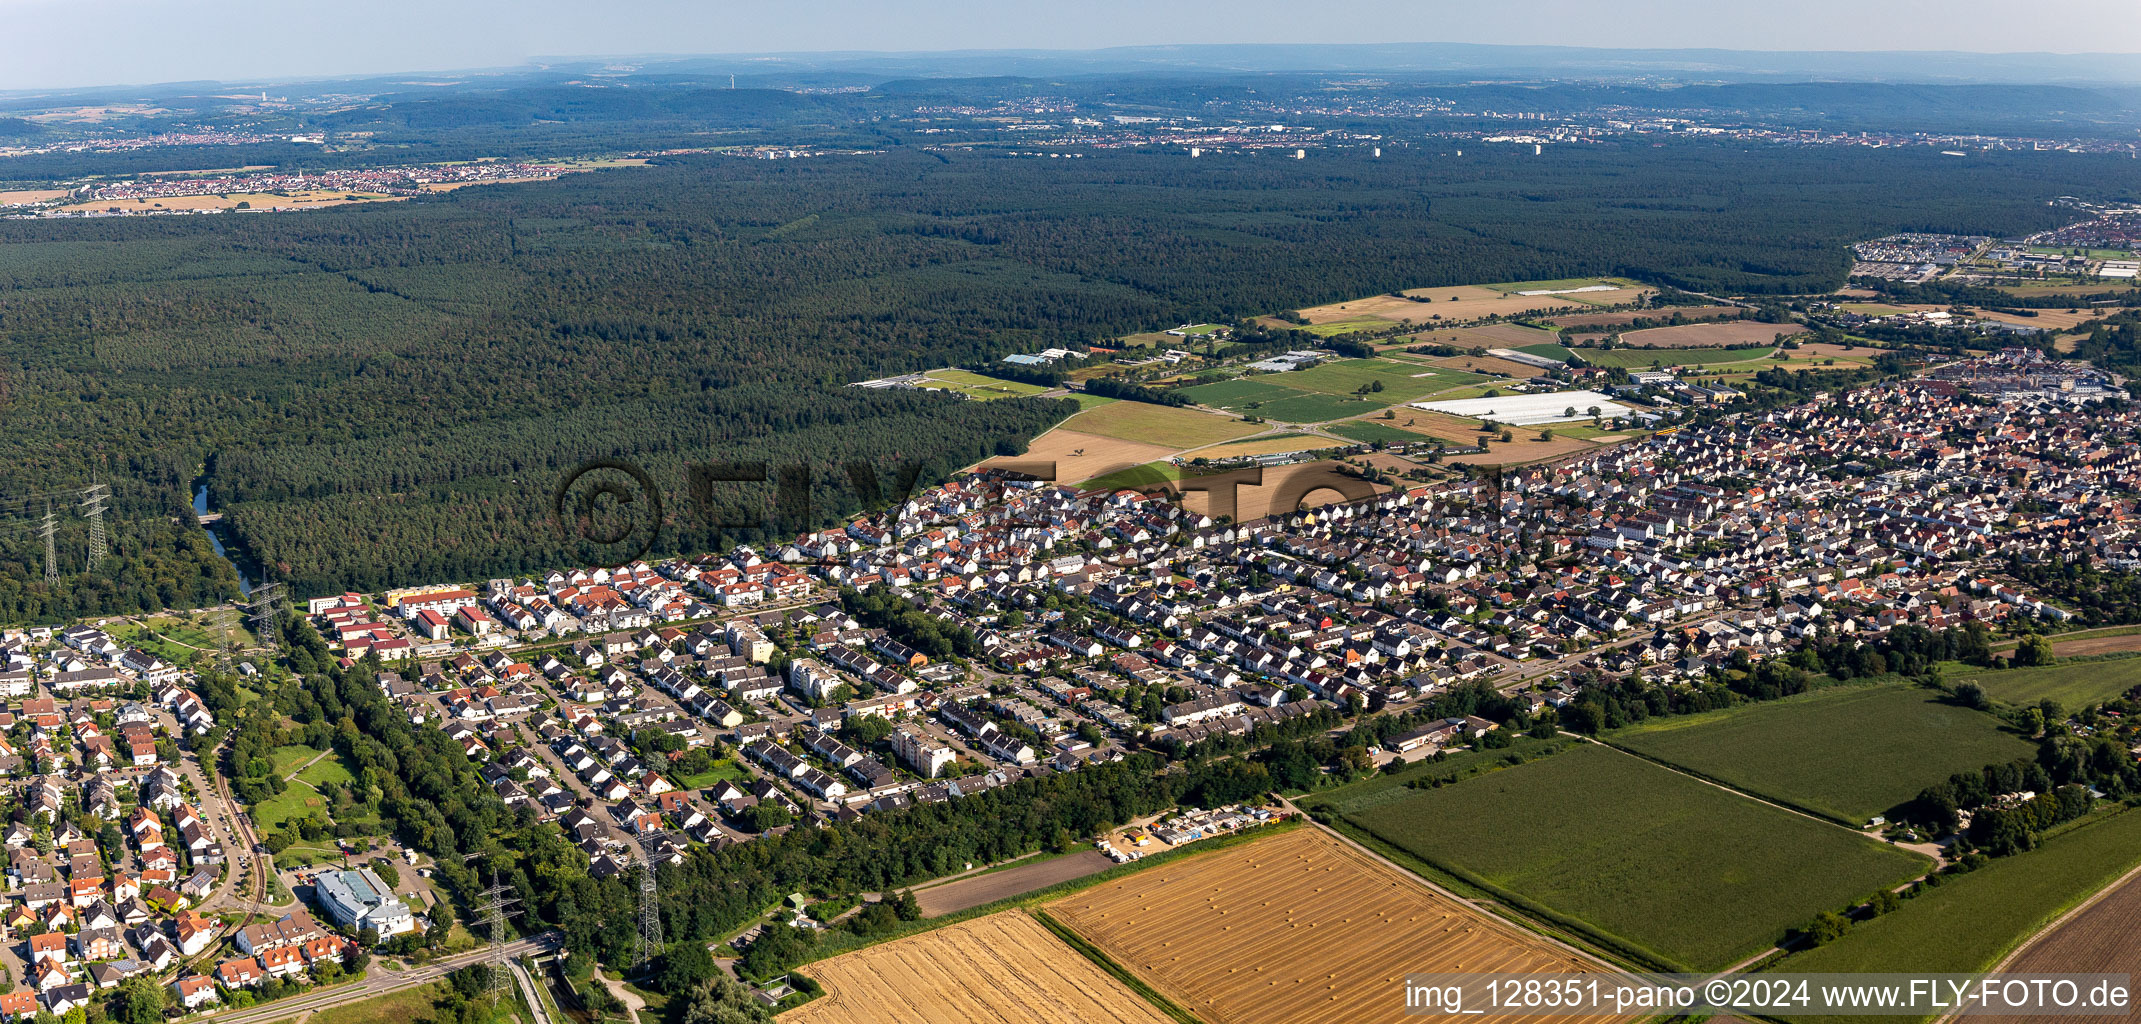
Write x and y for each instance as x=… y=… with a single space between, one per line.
x=1371 y=431
x=1147 y=423
x=1847 y=753
x=1313 y=408
x=1343 y=376
x=1663 y=865
x=1233 y=394
x=1969 y=923
x=1350 y=324
x=2073 y=684
x=1641 y=357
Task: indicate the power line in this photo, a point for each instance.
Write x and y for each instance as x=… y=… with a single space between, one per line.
x=93 y=498
x=496 y=906
x=48 y=528
x=650 y=902
x=262 y=611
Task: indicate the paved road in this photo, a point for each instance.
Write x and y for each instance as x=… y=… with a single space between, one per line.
x=380 y=981
x=530 y=992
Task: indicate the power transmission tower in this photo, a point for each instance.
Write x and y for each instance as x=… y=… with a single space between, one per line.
x=650 y=901
x=496 y=906
x=93 y=498
x=262 y=610
x=46 y=529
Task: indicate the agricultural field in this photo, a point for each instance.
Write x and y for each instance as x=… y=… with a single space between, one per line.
x=1258 y=492
x=1548 y=349
x=1079 y=456
x=1661 y=865
x=1471 y=302
x=1137 y=478
x=1712 y=335
x=1635 y=358
x=1505 y=336
x=2073 y=684
x=974 y=385
x=990 y=886
x=1603 y=323
x=1326 y=392
x=1343 y=376
x=1276 y=444
x=1486 y=366
x=312 y=200
x=1371 y=431
x=1158 y=425
x=1969 y=923
x=1845 y=752
x=1297 y=927
x=1001 y=969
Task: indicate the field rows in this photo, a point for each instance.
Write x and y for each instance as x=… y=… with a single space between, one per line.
x=1298 y=928
x=1000 y=969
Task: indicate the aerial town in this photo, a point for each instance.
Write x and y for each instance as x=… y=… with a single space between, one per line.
x=1101 y=620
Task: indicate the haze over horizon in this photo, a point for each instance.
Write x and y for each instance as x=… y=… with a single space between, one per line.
x=55 y=44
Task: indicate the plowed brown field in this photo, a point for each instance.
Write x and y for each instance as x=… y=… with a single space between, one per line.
x=1298 y=928
x=2104 y=938
x=1000 y=969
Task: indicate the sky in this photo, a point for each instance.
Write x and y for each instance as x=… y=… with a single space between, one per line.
x=66 y=43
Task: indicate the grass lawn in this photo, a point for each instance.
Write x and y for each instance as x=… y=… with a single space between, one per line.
x=1168 y=425
x=400 y=1007
x=1845 y=752
x=1969 y=923
x=2073 y=685
x=328 y=770
x=288 y=758
x=1371 y=431
x=722 y=770
x=1092 y=401
x=297 y=801
x=975 y=385
x=1661 y=865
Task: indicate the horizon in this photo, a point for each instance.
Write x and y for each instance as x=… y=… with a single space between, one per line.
x=141 y=45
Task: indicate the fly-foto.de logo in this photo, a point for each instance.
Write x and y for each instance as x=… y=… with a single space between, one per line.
x=614 y=509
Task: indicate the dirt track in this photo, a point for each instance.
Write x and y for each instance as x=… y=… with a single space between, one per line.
x=968 y=893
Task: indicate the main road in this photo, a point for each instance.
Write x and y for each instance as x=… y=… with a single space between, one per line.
x=379 y=981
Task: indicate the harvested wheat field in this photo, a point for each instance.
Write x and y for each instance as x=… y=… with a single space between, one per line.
x=1298 y=927
x=1261 y=492
x=1470 y=302
x=312 y=200
x=1710 y=335
x=1082 y=456
x=1000 y=969
x=24 y=197
x=1605 y=321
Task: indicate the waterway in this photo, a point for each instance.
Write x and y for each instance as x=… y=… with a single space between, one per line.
x=200 y=508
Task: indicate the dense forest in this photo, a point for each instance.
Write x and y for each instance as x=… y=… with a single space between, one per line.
x=390 y=393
